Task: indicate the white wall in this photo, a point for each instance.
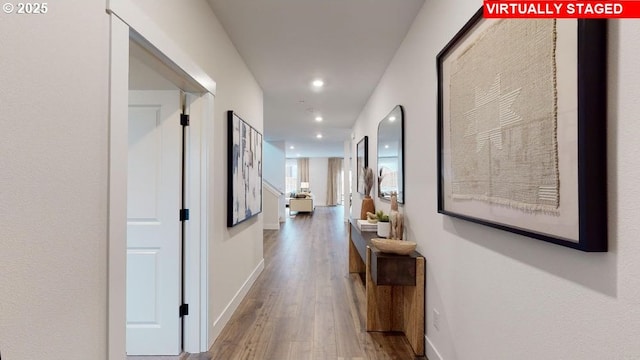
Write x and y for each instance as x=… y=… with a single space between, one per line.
x=53 y=182
x=234 y=253
x=274 y=170
x=318 y=170
x=503 y=296
x=271 y=201
x=274 y=164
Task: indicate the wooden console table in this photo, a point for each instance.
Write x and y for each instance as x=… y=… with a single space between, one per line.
x=394 y=287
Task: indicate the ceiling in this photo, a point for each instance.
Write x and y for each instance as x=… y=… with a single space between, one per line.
x=289 y=43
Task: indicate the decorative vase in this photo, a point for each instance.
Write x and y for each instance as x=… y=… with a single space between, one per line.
x=383 y=229
x=367 y=206
x=396 y=220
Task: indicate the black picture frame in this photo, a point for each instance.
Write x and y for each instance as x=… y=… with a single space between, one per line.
x=589 y=219
x=244 y=171
x=362 y=161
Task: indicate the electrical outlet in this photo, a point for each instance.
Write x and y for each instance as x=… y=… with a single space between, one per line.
x=436 y=319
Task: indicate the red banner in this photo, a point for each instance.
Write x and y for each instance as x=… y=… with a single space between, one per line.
x=562 y=9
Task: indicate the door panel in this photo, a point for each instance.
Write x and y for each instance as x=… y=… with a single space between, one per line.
x=145 y=161
x=153 y=226
x=142 y=285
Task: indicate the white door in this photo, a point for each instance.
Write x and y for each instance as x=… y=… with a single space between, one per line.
x=153 y=224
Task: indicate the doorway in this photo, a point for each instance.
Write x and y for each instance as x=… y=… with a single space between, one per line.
x=175 y=67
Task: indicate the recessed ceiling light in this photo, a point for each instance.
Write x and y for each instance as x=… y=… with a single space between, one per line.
x=386 y=146
x=318 y=83
x=318 y=118
x=392 y=118
x=292 y=147
x=319 y=136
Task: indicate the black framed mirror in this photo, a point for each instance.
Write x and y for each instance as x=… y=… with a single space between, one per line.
x=391 y=155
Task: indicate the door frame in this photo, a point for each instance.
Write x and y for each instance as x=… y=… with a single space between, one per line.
x=129 y=23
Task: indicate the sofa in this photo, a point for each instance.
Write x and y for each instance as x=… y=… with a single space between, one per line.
x=301 y=203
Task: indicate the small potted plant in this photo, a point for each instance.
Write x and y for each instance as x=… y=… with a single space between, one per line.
x=383 y=224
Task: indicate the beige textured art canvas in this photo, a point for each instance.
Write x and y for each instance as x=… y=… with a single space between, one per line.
x=503 y=113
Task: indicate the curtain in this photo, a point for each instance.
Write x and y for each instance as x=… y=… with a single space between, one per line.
x=303 y=170
x=334 y=181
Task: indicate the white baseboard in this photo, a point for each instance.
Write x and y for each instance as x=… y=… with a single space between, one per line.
x=223 y=319
x=271 y=226
x=432 y=352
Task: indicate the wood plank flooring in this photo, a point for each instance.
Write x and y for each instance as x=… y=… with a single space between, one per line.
x=305 y=305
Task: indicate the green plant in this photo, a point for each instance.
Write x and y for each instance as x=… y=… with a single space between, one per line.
x=381 y=216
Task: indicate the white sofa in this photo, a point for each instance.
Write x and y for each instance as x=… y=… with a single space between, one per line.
x=301 y=204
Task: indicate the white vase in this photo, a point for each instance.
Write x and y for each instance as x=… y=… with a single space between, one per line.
x=383 y=229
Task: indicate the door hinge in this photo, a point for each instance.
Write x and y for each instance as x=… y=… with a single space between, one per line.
x=184 y=310
x=184 y=119
x=184 y=214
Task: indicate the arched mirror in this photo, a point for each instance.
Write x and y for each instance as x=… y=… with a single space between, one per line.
x=391 y=155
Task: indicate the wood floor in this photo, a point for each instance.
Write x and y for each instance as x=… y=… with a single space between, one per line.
x=305 y=305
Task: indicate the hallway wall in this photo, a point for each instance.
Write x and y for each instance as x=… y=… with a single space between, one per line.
x=274 y=164
x=234 y=253
x=500 y=295
x=53 y=182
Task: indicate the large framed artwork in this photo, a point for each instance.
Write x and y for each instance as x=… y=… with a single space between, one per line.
x=522 y=128
x=244 y=196
x=362 y=161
